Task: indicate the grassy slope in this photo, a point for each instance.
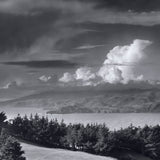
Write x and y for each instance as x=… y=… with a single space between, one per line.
x=40 y=153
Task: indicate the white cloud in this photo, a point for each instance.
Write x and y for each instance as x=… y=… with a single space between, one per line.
x=128 y=54
x=45 y=78
x=81 y=74
x=67 y=77
x=118 y=67
x=85 y=74
x=110 y=74
x=122 y=61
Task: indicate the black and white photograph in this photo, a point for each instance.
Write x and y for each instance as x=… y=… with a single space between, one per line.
x=79 y=79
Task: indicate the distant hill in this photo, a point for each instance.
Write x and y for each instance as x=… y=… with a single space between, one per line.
x=114 y=101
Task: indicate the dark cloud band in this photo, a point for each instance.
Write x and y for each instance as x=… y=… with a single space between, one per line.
x=125 y=5
x=43 y=64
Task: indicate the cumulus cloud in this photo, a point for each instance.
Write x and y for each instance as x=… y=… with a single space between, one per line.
x=67 y=77
x=122 y=61
x=110 y=74
x=84 y=74
x=118 y=67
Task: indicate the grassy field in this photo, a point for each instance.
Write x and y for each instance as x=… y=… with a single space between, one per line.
x=40 y=153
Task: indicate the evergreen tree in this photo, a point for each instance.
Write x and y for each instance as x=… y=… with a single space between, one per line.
x=2 y=117
x=11 y=150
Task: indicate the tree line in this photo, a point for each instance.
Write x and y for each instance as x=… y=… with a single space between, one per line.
x=92 y=138
x=10 y=148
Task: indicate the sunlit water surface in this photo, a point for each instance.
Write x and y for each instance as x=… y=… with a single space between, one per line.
x=112 y=120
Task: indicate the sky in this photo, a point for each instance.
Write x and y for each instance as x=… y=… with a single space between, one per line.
x=66 y=43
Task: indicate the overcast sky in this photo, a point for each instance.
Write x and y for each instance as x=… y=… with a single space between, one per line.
x=78 y=42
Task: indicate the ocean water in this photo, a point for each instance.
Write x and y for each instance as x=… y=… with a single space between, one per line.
x=112 y=120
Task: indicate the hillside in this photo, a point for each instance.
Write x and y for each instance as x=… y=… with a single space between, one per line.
x=134 y=100
x=39 y=153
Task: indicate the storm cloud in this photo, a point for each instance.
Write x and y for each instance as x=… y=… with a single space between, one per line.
x=34 y=26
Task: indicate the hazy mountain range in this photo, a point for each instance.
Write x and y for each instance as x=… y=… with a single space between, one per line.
x=126 y=100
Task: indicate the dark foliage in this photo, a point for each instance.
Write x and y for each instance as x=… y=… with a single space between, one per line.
x=2 y=117
x=92 y=138
x=10 y=148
